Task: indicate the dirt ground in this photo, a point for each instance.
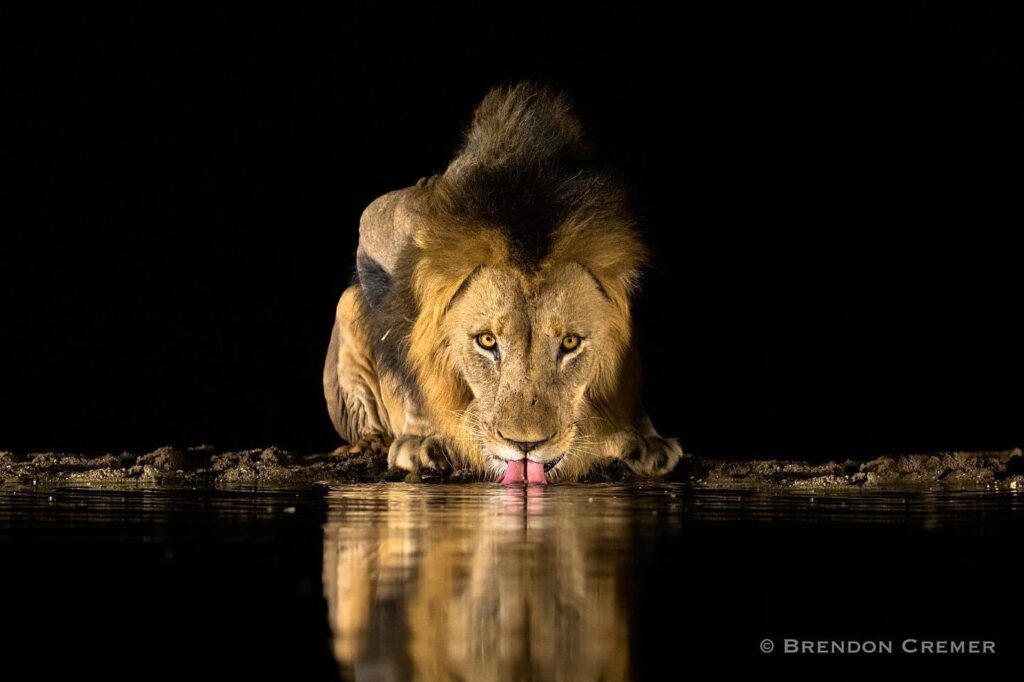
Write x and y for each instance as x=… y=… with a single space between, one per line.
x=272 y=466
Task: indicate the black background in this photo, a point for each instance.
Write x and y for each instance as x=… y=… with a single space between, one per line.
x=830 y=194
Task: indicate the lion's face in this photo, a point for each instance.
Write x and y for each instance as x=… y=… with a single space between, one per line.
x=529 y=346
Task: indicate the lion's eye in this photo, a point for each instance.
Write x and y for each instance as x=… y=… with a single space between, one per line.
x=487 y=341
x=570 y=342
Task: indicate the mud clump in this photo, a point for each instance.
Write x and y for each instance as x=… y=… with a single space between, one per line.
x=367 y=462
x=963 y=469
x=195 y=465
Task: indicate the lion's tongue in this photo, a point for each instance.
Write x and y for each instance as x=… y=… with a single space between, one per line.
x=523 y=471
x=535 y=472
x=514 y=473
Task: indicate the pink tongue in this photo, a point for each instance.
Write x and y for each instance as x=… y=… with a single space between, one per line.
x=523 y=471
x=514 y=473
x=535 y=472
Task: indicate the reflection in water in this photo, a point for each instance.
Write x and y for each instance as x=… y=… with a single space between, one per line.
x=481 y=582
x=476 y=583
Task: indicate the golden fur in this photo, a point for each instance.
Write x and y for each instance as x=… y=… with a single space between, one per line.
x=500 y=591
x=521 y=238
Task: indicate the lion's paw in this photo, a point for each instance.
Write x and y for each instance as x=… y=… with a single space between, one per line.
x=652 y=455
x=412 y=453
x=371 y=444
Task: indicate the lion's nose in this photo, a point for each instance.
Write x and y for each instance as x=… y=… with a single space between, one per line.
x=524 y=445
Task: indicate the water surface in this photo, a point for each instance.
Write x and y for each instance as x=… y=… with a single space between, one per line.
x=478 y=582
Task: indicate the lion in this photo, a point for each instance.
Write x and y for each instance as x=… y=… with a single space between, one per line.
x=489 y=325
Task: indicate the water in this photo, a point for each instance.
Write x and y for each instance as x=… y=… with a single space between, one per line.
x=478 y=582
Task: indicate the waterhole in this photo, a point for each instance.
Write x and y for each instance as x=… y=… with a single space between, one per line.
x=477 y=582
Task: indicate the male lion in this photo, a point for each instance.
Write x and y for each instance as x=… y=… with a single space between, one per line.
x=489 y=324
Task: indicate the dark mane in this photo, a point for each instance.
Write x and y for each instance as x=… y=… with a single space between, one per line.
x=524 y=167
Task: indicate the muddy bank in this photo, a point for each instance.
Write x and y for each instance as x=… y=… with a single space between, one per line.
x=271 y=466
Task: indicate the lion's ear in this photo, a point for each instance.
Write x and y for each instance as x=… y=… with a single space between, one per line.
x=446 y=261
x=610 y=250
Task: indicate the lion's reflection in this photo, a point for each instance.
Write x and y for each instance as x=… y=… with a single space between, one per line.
x=476 y=584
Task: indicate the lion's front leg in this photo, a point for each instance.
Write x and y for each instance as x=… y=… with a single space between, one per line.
x=644 y=451
x=352 y=387
x=412 y=452
x=417 y=447
x=652 y=455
